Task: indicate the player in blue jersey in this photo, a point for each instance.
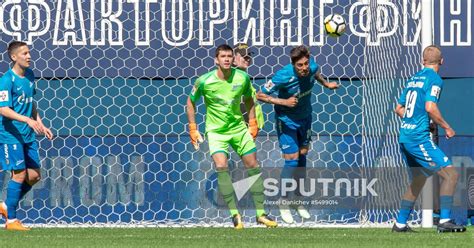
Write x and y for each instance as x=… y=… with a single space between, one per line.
x=19 y=121
x=293 y=84
x=416 y=106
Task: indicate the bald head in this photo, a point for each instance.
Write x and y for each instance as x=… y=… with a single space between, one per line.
x=432 y=55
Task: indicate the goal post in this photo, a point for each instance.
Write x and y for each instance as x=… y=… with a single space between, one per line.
x=427 y=40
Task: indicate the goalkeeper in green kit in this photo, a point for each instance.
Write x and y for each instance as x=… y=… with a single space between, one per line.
x=223 y=89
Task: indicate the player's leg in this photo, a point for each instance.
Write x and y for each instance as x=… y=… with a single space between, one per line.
x=418 y=179
x=12 y=159
x=288 y=142
x=449 y=174
x=304 y=140
x=408 y=202
x=244 y=145
x=447 y=189
x=289 y=145
x=32 y=161
x=448 y=186
x=218 y=147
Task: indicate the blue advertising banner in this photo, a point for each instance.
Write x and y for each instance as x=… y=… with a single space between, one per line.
x=163 y=39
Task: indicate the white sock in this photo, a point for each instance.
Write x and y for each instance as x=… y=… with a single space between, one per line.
x=400 y=225
x=11 y=220
x=442 y=221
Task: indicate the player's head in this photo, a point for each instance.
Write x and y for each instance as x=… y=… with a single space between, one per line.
x=243 y=56
x=224 y=56
x=19 y=53
x=432 y=56
x=300 y=60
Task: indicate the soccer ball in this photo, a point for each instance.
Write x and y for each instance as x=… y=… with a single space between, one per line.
x=335 y=25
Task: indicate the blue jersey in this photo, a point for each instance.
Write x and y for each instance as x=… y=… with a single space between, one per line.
x=424 y=86
x=287 y=83
x=17 y=93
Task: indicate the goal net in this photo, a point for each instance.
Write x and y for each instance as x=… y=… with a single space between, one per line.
x=112 y=82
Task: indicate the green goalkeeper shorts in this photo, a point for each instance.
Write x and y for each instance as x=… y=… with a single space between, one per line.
x=238 y=137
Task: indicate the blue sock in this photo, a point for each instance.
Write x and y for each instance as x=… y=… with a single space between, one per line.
x=300 y=173
x=445 y=203
x=25 y=188
x=288 y=170
x=405 y=211
x=13 y=198
x=302 y=161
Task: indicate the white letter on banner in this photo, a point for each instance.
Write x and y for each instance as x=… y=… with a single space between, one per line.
x=138 y=40
x=216 y=8
x=382 y=17
x=69 y=22
x=286 y=9
x=177 y=19
x=320 y=23
x=414 y=15
x=35 y=20
x=107 y=21
x=253 y=27
x=455 y=25
x=14 y=19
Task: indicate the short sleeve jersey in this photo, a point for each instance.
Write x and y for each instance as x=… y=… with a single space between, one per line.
x=426 y=85
x=222 y=98
x=17 y=93
x=286 y=84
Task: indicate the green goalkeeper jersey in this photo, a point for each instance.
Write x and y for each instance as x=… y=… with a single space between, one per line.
x=222 y=98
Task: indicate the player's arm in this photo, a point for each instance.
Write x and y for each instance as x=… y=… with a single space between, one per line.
x=194 y=134
x=269 y=88
x=249 y=103
x=290 y=102
x=7 y=112
x=323 y=82
x=250 y=107
x=437 y=117
x=431 y=106
x=400 y=110
x=401 y=103
x=36 y=116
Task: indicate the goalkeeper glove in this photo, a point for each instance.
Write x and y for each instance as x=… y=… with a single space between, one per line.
x=196 y=137
x=253 y=128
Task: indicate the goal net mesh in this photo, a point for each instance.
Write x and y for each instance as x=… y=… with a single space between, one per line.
x=112 y=82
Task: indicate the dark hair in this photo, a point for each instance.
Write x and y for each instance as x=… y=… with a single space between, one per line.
x=13 y=46
x=223 y=47
x=299 y=52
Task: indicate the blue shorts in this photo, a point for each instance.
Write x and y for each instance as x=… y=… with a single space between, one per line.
x=293 y=134
x=425 y=156
x=19 y=156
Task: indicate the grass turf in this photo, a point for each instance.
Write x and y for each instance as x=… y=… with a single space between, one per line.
x=227 y=237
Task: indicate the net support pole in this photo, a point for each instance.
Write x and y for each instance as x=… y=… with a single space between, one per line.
x=426 y=40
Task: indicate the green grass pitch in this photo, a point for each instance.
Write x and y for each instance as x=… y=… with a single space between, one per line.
x=227 y=237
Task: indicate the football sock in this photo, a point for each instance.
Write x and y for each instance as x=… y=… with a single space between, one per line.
x=224 y=183
x=288 y=171
x=257 y=191
x=25 y=188
x=300 y=173
x=302 y=161
x=405 y=211
x=13 y=198
x=446 y=203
